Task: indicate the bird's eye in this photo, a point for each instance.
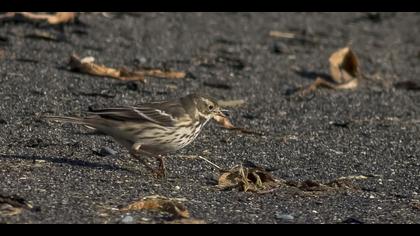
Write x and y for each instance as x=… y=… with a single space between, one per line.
x=211 y=107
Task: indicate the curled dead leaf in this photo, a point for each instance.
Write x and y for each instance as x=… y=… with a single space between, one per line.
x=344 y=73
x=160 y=203
x=344 y=66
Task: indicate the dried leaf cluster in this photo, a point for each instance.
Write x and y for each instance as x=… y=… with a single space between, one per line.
x=247 y=179
x=160 y=203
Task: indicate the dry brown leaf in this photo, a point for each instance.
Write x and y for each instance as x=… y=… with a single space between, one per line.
x=344 y=72
x=61 y=17
x=352 y=84
x=225 y=122
x=160 y=203
x=321 y=82
x=344 y=66
x=253 y=179
x=87 y=65
x=164 y=74
x=52 y=19
x=227 y=180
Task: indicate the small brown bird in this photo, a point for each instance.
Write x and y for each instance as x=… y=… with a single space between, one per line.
x=152 y=128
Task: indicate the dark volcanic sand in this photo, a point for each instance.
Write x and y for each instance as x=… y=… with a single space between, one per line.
x=372 y=131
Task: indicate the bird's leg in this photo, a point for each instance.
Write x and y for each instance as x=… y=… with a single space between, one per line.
x=135 y=151
x=136 y=155
x=162 y=167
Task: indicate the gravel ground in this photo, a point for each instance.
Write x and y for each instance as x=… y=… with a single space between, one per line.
x=372 y=131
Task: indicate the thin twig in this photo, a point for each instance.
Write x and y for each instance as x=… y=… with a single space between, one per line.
x=279 y=34
x=218 y=167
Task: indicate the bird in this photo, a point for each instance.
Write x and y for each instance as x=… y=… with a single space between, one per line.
x=153 y=128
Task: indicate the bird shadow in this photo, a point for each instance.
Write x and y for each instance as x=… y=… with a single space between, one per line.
x=61 y=160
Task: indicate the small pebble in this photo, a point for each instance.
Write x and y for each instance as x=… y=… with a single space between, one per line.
x=145 y=219
x=127 y=219
x=284 y=217
x=280 y=48
x=106 y=151
x=131 y=85
x=352 y=221
x=142 y=60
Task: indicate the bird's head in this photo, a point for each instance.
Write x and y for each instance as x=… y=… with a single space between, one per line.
x=207 y=108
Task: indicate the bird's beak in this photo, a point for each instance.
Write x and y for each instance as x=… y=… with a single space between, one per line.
x=220 y=113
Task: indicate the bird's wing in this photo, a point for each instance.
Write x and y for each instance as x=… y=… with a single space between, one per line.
x=159 y=113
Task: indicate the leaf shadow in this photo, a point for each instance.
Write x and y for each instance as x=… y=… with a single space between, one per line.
x=312 y=75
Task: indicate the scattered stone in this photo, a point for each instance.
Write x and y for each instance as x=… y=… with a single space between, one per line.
x=105 y=151
x=284 y=217
x=352 y=221
x=127 y=219
x=280 y=48
x=131 y=85
x=141 y=60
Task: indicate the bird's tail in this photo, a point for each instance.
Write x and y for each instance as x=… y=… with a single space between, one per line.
x=67 y=119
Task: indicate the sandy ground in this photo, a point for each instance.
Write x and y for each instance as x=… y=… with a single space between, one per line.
x=51 y=173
